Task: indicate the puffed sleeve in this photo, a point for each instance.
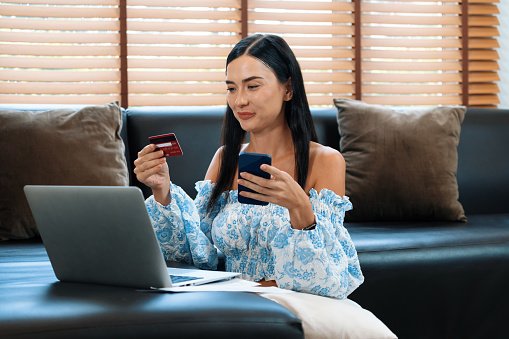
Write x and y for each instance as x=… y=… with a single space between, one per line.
x=183 y=228
x=322 y=261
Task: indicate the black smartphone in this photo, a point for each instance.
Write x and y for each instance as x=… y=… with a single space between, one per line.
x=251 y=162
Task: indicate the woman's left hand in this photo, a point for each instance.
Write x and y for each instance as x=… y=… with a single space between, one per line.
x=281 y=189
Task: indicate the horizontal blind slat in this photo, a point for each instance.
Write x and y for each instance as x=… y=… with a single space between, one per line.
x=59 y=50
x=483 y=43
x=302 y=17
x=169 y=51
x=483 y=66
x=412 y=54
x=490 y=76
x=411 y=89
x=410 y=19
x=303 y=5
x=478 y=100
x=301 y=29
x=412 y=66
x=215 y=27
x=58 y=99
x=483 y=54
x=412 y=77
x=61 y=24
x=60 y=88
x=68 y=2
x=59 y=63
x=59 y=12
x=413 y=100
x=181 y=75
x=484 y=9
x=177 y=100
x=484 y=88
x=176 y=63
x=188 y=3
x=41 y=75
x=411 y=8
x=411 y=42
x=173 y=14
x=148 y=39
x=413 y=32
x=60 y=37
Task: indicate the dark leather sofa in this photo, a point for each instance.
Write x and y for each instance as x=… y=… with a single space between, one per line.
x=423 y=279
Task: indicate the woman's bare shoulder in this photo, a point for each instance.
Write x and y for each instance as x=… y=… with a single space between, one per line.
x=327 y=168
x=325 y=155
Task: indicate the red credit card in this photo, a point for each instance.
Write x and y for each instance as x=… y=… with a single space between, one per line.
x=167 y=143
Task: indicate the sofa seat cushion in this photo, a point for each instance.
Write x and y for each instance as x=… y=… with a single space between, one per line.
x=391 y=236
x=36 y=305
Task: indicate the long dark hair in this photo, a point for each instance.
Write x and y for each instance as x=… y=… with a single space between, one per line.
x=274 y=52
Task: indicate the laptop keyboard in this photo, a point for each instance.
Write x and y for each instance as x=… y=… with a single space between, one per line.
x=181 y=278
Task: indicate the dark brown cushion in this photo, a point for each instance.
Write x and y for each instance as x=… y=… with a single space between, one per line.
x=400 y=165
x=56 y=147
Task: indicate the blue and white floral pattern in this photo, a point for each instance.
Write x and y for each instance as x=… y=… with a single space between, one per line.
x=259 y=242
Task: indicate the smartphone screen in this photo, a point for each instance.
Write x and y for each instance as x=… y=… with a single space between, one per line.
x=251 y=162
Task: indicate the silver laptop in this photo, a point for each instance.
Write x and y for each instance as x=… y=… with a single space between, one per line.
x=103 y=235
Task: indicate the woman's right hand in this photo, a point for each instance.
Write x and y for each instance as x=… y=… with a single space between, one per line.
x=152 y=170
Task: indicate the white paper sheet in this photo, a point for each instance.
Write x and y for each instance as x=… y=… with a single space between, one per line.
x=232 y=285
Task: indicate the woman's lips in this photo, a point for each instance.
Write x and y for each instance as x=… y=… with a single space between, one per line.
x=245 y=115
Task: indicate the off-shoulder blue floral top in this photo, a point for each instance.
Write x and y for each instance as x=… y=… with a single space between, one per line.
x=259 y=242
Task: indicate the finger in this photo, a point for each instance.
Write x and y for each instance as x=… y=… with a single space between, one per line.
x=256 y=196
x=142 y=175
x=145 y=163
x=146 y=150
x=275 y=173
x=149 y=152
x=270 y=169
x=251 y=179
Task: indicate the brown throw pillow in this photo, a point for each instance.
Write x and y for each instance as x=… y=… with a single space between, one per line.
x=400 y=165
x=56 y=147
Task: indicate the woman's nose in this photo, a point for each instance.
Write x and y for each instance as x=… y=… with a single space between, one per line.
x=241 y=99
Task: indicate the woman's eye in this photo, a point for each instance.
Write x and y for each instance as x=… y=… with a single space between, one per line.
x=230 y=89
x=253 y=86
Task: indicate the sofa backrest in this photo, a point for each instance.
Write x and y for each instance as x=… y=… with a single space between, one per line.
x=483 y=161
x=198 y=130
x=483 y=167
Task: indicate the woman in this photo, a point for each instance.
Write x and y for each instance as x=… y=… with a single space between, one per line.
x=296 y=242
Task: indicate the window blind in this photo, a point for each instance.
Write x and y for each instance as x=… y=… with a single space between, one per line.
x=158 y=52
x=65 y=52
x=483 y=56
x=321 y=35
x=413 y=52
x=177 y=50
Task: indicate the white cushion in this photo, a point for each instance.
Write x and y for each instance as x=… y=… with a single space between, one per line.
x=324 y=317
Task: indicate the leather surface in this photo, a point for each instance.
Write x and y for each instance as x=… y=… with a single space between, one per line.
x=483 y=164
x=423 y=280
x=483 y=161
x=35 y=305
x=391 y=236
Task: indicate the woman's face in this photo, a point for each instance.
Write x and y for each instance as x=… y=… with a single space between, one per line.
x=255 y=95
